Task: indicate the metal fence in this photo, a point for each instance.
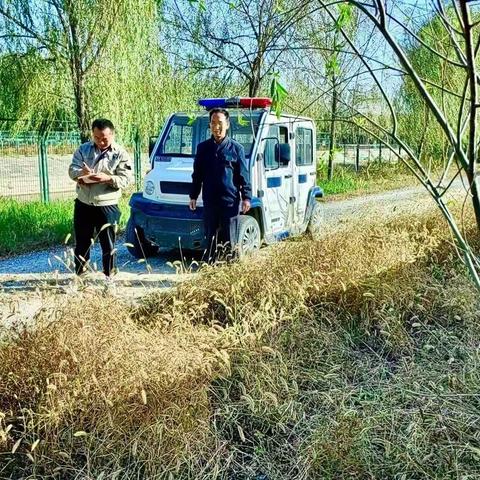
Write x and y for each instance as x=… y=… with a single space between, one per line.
x=359 y=155
x=34 y=165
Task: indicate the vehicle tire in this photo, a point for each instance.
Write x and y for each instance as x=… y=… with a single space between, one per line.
x=139 y=246
x=249 y=235
x=316 y=222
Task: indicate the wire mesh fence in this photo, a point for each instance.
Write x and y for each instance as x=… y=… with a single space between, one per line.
x=19 y=172
x=359 y=155
x=34 y=165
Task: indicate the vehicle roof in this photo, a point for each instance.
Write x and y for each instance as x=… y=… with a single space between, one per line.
x=259 y=110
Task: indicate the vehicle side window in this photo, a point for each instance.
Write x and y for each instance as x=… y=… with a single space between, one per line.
x=283 y=135
x=270 y=148
x=179 y=140
x=304 y=146
x=280 y=133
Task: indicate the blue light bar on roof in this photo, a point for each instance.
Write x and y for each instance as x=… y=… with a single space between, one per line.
x=210 y=103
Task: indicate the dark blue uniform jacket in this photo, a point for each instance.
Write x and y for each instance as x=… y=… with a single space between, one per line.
x=221 y=172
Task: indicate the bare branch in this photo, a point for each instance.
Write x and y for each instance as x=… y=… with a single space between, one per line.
x=367 y=66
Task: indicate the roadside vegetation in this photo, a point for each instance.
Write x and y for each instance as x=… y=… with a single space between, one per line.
x=357 y=358
x=27 y=226
x=372 y=178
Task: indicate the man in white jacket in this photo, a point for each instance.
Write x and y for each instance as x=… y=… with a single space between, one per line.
x=101 y=169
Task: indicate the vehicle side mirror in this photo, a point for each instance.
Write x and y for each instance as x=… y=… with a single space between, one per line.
x=151 y=145
x=284 y=154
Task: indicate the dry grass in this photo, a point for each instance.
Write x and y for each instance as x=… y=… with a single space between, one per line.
x=351 y=357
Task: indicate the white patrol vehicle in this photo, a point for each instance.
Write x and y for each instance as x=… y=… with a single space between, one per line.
x=281 y=154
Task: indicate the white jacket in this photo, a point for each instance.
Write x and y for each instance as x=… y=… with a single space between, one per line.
x=115 y=162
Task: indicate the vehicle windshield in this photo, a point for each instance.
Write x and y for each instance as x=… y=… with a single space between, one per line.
x=186 y=132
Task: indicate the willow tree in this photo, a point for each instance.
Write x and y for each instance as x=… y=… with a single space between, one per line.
x=72 y=42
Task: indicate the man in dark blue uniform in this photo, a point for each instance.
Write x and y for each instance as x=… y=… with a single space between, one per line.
x=221 y=172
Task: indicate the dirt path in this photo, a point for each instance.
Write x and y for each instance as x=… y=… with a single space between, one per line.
x=26 y=280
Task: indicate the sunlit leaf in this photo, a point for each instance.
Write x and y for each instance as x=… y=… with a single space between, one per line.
x=278 y=94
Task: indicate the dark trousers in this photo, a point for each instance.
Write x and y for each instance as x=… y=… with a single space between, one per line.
x=88 y=219
x=221 y=229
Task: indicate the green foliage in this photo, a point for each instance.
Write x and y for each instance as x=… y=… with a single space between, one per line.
x=278 y=93
x=191 y=119
x=375 y=177
x=29 y=225
x=202 y=7
x=332 y=65
x=242 y=121
x=33 y=90
x=125 y=74
x=25 y=226
x=345 y=16
x=444 y=82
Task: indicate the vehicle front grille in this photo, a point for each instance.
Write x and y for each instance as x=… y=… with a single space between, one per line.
x=176 y=226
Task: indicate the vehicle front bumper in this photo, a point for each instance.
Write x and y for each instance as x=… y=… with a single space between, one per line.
x=167 y=225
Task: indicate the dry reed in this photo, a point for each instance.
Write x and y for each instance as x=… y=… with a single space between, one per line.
x=295 y=364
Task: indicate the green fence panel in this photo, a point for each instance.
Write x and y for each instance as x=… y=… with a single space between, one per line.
x=60 y=147
x=19 y=166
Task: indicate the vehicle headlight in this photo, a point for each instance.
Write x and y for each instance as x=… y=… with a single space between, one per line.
x=149 y=187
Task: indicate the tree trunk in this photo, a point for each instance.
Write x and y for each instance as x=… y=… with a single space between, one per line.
x=476 y=199
x=473 y=181
x=331 y=146
x=81 y=111
x=254 y=83
x=253 y=87
x=470 y=51
x=78 y=78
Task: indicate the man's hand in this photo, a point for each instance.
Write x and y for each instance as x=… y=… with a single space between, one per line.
x=100 y=177
x=245 y=206
x=193 y=204
x=86 y=170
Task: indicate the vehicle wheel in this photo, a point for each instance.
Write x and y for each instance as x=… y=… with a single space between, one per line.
x=249 y=237
x=139 y=247
x=316 y=222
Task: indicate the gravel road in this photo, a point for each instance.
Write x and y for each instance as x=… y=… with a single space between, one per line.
x=31 y=275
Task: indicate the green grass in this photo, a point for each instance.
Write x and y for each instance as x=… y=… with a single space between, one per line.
x=26 y=226
x=376 y=177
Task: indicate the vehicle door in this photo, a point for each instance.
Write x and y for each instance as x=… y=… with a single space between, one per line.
x=304 y=167
x=278 y=181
